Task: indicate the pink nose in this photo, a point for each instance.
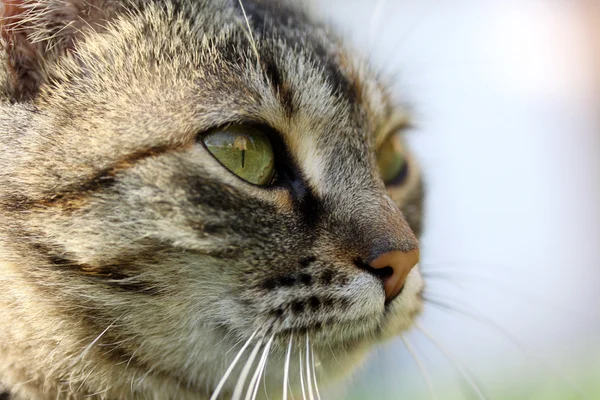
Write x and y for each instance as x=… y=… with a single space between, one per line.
x=400 y=264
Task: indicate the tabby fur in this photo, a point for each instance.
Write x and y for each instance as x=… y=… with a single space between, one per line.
x=132 y=264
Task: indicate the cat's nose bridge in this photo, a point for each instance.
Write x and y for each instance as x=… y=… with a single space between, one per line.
x=382 y=226
x=371 y=226
x=393 y=249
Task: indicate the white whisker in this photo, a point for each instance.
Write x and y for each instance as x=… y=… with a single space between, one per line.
x=239 y=387
x=464 y=311
x=89 y=346
x=502 y=286
x=231 y=367
x=85 y=379
x=286 y=370
x=314 y=374
x=311 y=395
x=141 y=380
x=302 y=375
x=420 y=365
x=133 y=355
x=252 y=41
x=291 y=393
x=255 y=381
x=466 y=374
x=264 y=379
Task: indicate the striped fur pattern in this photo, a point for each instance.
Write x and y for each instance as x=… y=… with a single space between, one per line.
x=132 y=264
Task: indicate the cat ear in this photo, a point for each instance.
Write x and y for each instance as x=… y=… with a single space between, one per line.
x=35 y=32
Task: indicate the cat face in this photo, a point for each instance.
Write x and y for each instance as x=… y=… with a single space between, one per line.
x=140 y=235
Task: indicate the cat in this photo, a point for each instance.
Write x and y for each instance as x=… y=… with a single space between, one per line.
x=196 y=196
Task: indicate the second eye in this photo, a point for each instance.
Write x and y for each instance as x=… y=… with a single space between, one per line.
x=391 y=161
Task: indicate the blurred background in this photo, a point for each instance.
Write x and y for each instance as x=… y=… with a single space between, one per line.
x=506 y=101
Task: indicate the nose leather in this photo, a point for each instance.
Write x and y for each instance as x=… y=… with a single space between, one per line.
x=400 y=263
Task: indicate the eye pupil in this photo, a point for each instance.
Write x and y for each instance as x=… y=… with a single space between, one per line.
x=241 y=143
x=245 y=151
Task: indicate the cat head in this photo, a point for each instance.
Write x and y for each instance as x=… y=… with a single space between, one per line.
x=180 y=178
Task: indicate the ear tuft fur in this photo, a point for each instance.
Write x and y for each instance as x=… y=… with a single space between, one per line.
x=35 y=32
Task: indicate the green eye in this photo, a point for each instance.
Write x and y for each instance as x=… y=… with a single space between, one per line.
x=245 y=151
x=391 y=161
